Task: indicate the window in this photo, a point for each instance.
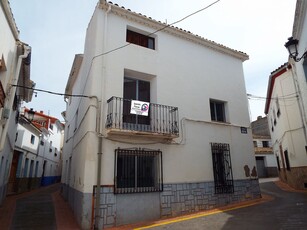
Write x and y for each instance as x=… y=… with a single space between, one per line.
x=32 y=139
x=287 y=160
x=140 y=39
x=278 y=164
x=31 y=168
x=25 y=170
x=51 y=126
x=274 y=115
x=36 y=169
x=217 y=109
x=305 y=67
x=222 y=171
x=138 y=170
x=76 y=120
x=277 y=106
x=50 y=147
x=255 y=143
x=265 y=144
x=135 y=89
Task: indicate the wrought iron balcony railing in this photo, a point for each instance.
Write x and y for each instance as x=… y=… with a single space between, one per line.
x=161 y=119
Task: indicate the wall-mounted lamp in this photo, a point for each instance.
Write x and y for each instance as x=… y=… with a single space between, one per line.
x=291 y=45
x=31 y=114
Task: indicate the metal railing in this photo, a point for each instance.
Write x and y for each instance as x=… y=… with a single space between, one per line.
x=161 y=119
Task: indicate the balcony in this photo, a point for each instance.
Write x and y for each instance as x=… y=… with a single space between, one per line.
x=161 y=122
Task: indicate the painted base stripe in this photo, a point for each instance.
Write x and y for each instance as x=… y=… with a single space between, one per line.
x=195 y=216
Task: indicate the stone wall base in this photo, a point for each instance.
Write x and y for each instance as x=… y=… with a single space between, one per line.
x=175 y=199
x=296 y=177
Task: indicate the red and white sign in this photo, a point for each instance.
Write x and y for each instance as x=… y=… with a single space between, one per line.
x=139 y=107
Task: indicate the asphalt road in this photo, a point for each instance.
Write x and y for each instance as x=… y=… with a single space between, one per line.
x=288 y=210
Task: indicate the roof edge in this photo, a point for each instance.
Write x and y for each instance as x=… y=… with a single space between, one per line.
x=157 y=25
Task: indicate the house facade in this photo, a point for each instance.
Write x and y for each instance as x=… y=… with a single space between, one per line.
x=157 y=123
x=265 y=159
x=287 y=126
x=37 y=159
x=15 y=61
x=287 y=108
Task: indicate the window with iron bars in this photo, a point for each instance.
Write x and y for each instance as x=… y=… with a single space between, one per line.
x=138 y=170
x=222 y=170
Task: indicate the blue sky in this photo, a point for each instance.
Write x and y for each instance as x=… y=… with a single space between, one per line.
x=56 y=32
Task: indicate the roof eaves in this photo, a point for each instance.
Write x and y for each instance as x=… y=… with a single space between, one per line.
x=5 y=4
x=157 y=25
x=274 y=74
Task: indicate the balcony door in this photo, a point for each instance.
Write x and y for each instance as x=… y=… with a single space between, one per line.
x=135 y=89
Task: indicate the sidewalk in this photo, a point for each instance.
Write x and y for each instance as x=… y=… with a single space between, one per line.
x=43 y=208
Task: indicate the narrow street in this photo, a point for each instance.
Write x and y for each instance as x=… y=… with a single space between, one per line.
x=41 y=209
x=45 y=209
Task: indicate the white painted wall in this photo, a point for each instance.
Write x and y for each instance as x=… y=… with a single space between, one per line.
x=8 y=50
x=183 y=74
x=288 y=130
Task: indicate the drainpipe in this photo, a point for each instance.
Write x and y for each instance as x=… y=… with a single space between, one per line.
x=12 y=90
x=99 y=129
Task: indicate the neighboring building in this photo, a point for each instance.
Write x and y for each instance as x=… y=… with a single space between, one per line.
x=15 y=60
x=37 y=159
x=287 y=107
x=265 y=159
x=284 y=110
x=157 y=123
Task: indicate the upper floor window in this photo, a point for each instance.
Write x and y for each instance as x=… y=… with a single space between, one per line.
x=217 y=109
x=255 y=143
x=140 y=39
x=32 y=139
x=265 y=144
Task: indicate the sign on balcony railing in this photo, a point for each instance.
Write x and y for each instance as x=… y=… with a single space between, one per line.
x=139 y=107
x=126 y=114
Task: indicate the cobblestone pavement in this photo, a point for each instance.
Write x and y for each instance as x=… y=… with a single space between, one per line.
x=287 y=210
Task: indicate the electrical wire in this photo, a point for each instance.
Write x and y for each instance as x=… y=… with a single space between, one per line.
x=163 y=28
x=113 y=50
x=51 y=92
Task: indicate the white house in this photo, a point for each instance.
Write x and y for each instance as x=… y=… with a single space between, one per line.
x=287 y=105
x=157 y=123
x=37 y=159
x=15 y=60
x=284 y=111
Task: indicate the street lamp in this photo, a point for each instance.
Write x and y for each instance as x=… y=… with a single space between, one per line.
x=31 y=114
x=291 y=45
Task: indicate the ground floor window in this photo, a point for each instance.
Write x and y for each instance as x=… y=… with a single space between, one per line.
x=138 y=170
x=222 y=170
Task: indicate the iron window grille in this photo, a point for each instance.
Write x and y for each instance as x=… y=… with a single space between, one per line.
x=222 y=170
x=138 y=170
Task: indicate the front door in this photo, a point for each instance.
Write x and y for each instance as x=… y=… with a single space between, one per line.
x=13 y=185
x=135 y=89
